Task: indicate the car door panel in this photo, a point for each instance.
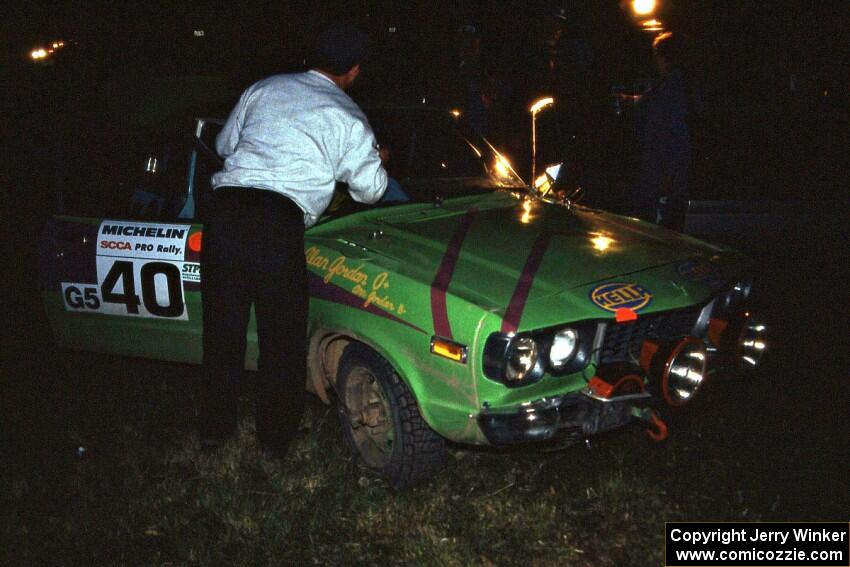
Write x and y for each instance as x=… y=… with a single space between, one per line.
x=123 y=287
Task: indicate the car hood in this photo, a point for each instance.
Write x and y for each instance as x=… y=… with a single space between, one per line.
x=483 y=247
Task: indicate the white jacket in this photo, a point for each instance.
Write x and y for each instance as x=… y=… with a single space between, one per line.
x=297 y=135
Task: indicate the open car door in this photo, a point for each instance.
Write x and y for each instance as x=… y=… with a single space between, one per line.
x=120 y=265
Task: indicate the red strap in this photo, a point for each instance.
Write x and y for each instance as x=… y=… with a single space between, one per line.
x=658 y=430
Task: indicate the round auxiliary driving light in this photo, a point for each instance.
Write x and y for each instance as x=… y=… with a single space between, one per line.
x=522 y=359
x=564 y=346
x=683 y=371
x=737 y=296
x=743 y=288
x=751 y=344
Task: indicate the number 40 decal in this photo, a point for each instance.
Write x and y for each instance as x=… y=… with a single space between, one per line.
x=123 y=271
x=145 y=289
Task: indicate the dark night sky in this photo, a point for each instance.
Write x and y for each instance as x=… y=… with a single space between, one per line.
x=745 y=53
x=785 y=34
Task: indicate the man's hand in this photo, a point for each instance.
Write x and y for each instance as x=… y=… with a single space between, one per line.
x=384 y=152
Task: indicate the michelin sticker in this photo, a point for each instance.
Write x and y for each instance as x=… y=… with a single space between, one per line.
x=140 y=272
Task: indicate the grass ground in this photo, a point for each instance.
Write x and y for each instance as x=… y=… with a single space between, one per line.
x=117 y=477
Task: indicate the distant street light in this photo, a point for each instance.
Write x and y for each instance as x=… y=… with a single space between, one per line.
x=42 y=53
x=538 y=105
x=643 y=7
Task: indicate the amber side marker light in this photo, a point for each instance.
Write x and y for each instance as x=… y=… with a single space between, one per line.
x=449 y=349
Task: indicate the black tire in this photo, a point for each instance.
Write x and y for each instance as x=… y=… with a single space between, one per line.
x=381 y=421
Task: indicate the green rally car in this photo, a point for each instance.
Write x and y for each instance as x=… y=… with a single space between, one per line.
x=477 y=311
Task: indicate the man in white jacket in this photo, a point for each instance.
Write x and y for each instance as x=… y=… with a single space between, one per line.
x=289 y=139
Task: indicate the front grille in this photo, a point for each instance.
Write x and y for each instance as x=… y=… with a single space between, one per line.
x=623 y=341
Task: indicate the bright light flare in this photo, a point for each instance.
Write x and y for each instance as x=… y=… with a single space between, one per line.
x=601 y=242
x=643 y=7
x=455 y=112
x=527 y=208
x=38 y=54
x=541 y=181
x=503 y=167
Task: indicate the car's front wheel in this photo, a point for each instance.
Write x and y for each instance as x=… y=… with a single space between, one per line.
x=381 y=420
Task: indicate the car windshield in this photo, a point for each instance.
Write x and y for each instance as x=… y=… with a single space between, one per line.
x=430 y=155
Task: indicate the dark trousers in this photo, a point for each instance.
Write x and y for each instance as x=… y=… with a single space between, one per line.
x=253 y=253
x=672 y=213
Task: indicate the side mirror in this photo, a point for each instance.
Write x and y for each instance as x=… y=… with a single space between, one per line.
x=558 y=184
x=545 y=183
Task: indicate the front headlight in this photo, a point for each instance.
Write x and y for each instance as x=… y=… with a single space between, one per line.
x=743 y=288
x=518 y=360
x=741 y=292
x=564 y=346
x=522 y=358
x=736 y=297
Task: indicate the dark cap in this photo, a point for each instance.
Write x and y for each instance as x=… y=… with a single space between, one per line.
x=339 y=48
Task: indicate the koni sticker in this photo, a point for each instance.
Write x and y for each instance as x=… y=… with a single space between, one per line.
x=614 y=296
x=700 y=271
x=140 y=272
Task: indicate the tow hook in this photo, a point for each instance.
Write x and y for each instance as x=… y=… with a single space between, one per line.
x=656 y=429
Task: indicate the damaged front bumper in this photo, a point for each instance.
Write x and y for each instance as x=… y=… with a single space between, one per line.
x=669 y=372
x=570 y=417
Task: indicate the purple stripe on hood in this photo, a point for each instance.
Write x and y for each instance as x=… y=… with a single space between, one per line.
x=439 y=310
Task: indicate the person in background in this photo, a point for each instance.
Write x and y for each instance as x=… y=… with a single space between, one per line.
x=666 y=154
x=394 y=192
x=287 y=142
